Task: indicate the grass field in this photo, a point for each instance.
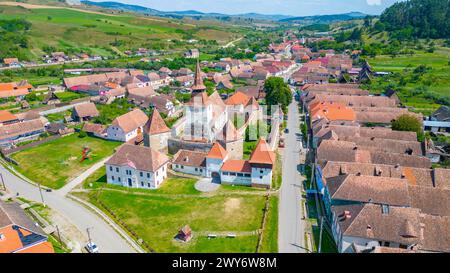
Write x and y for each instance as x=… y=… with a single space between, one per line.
x=157 y=215
x=270 y=235
x=76 y=30
x=56 y=162
x=423 y=92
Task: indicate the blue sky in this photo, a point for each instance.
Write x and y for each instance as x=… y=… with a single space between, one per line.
x=287 y=7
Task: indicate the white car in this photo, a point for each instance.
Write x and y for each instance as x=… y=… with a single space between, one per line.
x=91 y=247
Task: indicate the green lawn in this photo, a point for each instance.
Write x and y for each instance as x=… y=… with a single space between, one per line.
x=270 y=235
x=156 y=215
x=157 y=218
x=56 y=162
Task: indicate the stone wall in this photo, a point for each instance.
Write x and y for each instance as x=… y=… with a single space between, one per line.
x=176 y=144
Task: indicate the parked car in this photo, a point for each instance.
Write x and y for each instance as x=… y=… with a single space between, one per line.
x=91 y=247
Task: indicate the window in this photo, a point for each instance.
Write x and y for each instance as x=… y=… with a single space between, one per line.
x=385 y=209
x=261 y=171
x=247 y=175
x=182 y=166
x=196 y=169
x=177 y=166
x=233 y=174
x=141 y=174
x=130 y=183
x=110 y=168
x=148 y=184
x=387 y=244
x=112 y=178
x=118 y=178
x=240 y=174
x=201 y=170
x=403 y=246
x=148 y=175
x=117 y=169
x=142 y=184
x=260 y=177
x=225 y=173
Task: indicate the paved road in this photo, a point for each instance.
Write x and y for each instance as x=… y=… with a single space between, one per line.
x=79 y=179
x=291 y=227
x=104 y=235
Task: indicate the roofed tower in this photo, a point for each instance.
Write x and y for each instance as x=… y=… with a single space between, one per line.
x=198 y=86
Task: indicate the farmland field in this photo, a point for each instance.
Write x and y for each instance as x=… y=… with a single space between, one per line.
x=77 y=30
x=56 y=162
x=422 y=79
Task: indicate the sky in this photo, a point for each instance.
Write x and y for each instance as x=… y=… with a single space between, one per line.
x=285 y=7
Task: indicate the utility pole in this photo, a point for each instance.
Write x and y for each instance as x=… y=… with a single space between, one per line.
x=89 y=236
x=59 y=235
x=42 y=196
x=320 y=235
x=3 y=182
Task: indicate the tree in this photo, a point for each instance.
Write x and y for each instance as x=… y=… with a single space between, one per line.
x=277 y=92
x=407 y=122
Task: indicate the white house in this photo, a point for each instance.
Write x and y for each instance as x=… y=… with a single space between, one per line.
x=364 y=227
x=256 y=172
x=190 y=162
x=137 y=167
x=127 y=126
x=215 y=159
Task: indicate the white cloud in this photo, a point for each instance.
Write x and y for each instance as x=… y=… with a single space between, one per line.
x=374 y=2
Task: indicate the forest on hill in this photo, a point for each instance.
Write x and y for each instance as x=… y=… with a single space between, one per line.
x=417 y=18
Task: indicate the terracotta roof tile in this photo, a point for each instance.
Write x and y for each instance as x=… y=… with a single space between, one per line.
x=156 y=125
x=262 y=154
x=190 y=158
x=233 y=165
x=217 y=151
x=144 y=158
x=131 y=120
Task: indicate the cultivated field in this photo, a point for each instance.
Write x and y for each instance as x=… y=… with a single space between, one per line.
x=101 y=33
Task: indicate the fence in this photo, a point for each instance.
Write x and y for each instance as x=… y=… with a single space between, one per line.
x=6 y=152
x=263 y=223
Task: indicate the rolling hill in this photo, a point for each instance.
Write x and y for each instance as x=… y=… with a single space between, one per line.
x=75 y=30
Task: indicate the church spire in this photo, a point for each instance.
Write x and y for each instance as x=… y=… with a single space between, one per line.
x=198 y=86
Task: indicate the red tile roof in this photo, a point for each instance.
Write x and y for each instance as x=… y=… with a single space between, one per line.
x=262 y=154
x=217 y=151
x=242 y=166
x=156 y=125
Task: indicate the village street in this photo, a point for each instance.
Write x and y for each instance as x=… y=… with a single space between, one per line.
x=107 y=239
x=291 y=230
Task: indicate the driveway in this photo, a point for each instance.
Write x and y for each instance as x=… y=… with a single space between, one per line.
x=291 y=226
x=102 y=233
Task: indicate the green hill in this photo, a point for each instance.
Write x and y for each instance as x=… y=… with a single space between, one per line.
x=73 y=30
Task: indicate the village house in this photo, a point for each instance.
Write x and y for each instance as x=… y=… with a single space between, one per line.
x=140 y=95
x=11 y=62
x=21 y=131
x=7 y=118
x=13 y=89
x=163 y=103
x=192 y=54
x=19 y=233
x=84 y=112
x=190 y=162
x=128 y=126
x=137 y=167
x=439 y=121
x=156 y=132
x=95 y=130
x=256 y=172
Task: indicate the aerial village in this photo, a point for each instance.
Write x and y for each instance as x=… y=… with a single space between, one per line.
x=376 y=187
